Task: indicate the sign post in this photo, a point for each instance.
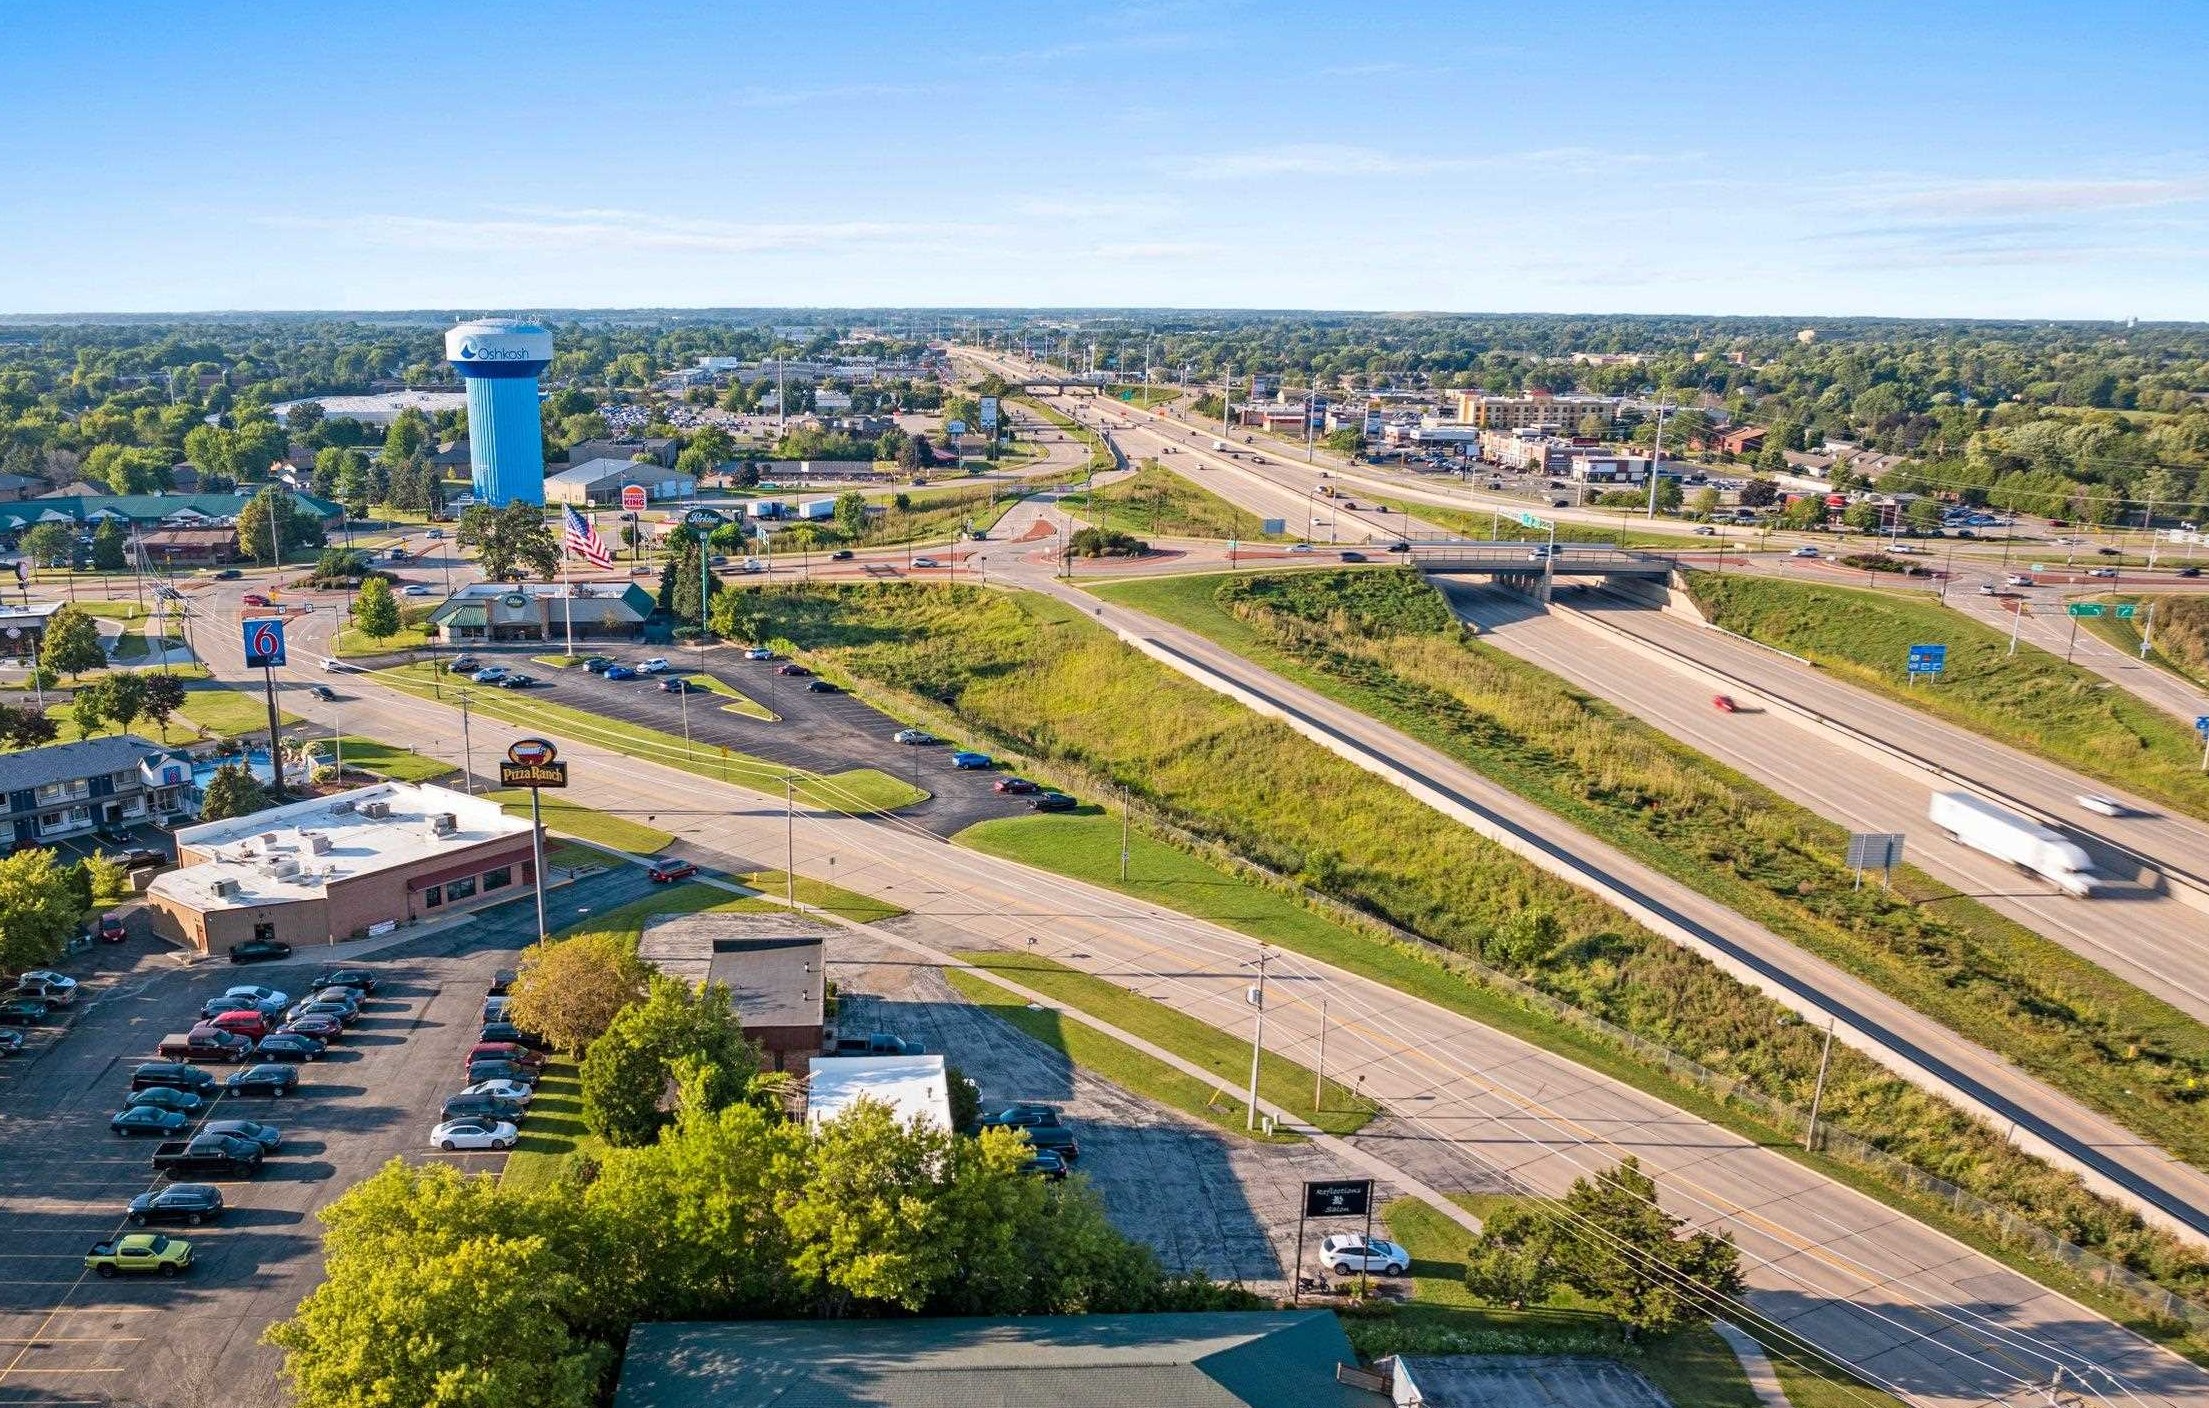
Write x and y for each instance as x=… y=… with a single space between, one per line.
x=2201 y=726
x=1925 y=660
x=1874 y=850
x=2075 y=610
x=264 y=648
x=632 y=503
x=1340 y=1197
x=534 y=763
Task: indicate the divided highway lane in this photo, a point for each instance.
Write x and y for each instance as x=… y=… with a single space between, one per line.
x=1910 y=1305
x=2146 y=938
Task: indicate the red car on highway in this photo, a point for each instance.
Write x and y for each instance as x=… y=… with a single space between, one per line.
x=1723 y=703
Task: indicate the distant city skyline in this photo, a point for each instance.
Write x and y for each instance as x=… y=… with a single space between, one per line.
x=2028 y=160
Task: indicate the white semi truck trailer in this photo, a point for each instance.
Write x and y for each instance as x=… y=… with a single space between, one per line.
x=2003 y=834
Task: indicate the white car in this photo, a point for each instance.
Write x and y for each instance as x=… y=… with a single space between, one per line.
x=1300 y=547
x=512 y=1090
x=2017 y=579
x=758 y=652
x=1804 y=552
x=473 y=1134
x=59 y=982
x=918 y=737
x=926 y=562
x=266 y=999
x=2107 y=806
x=1347 y=1251
x=414 y=589
x=2101 y=571
x=657 y=665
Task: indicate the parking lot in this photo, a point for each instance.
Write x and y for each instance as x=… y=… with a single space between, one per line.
x=824 y=733
x=67 y=1337
x=1203 y=1200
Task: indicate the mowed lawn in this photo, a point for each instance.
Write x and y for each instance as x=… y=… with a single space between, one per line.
x=575 y=819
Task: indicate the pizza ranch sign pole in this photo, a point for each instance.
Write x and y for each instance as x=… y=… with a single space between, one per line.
x=535 y=764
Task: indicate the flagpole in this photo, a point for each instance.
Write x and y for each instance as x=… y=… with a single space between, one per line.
x=567 y=591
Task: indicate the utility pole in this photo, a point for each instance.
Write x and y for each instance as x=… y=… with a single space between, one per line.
x=1817 y=1094
x=1257 y=1039
x=1656 y=459
x=1124 y=801
x=790 y=840
x=467 y=748
x=1319 y=1074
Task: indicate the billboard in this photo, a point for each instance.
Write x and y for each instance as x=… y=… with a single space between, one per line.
x=532 y=762
x=989 y=413
x=1340 y=1197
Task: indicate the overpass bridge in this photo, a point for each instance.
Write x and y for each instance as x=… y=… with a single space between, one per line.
x=1535 y=567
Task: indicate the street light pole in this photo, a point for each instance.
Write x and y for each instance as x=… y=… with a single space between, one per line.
x=1656 y=458
x=1257 y=1040
x=467 y=747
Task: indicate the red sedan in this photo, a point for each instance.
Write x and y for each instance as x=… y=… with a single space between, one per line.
x=1723 y=703
x=668 y=871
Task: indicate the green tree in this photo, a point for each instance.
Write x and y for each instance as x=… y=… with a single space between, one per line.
x=72 y=643
x=271 y=524
x=625 y=1073
x=966 y=1098
x=864 y=1225
x=1609 y=1241
x=570 y=992
x=1346 y=441
x=1759 y=493
x=49 y=544
x=26 y=726
x=376 y=610
x=409 y=435
x=516 y=542
x=851 y=512
x=232 y=791
x=1924 y=514
x=39 y=910
x=164 y=696
x=1705 y=503
x=122 y=698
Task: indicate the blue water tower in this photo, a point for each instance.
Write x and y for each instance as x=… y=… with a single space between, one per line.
x=501 y=359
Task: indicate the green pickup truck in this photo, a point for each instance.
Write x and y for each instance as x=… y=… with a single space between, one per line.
x=140 y=1252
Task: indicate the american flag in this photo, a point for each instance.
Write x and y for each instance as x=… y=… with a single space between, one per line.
x=582 y=539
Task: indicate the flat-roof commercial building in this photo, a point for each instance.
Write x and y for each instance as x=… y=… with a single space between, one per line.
x=493 y=611
x=381 y=409
x=773 y=966
x=914 y=1087
x=343 y=867
x=601 y=482
x=66 y=789
x=1208 y=1359
x=148 y=511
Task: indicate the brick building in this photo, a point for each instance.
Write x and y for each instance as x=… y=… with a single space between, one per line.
x=773 y=966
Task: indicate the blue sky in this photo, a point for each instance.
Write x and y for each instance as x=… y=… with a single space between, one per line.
x=2024 y=159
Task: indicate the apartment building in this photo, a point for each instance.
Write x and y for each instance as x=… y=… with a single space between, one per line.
x=67 y=789
x=1537 y=410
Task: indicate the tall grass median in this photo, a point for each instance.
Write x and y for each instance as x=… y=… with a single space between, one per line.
x=1155 y=501
x=1385 y=644
x=1032 y=676
x=2031 y=700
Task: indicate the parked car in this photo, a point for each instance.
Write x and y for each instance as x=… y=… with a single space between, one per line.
x=657 y=665
x=111 y=929
x=481 y=1107
x=246 y=1022
x=320 y=1026
x=204 y=1043
x=362 y=978
x=1345 y=1252
x=290 y=1046
x=133 y=1121
x=465 y=665
x=489 y=674
x=1056 y=1138
x=160 y=1097
x=188 y=1203
x=494 y=1008
x=49 y=984
x=501 y=981
x=597 y=664
x=676 y=684
x=917 y=737
x=172 y=1075
x=207 y=1156
x=512 y=1051
x=481 y=1071
x=973 y=762
x=24 y=1011
x=267 y=1137
x=759 y=652
x=793 y=670
x=668 y=871
x=508 y=1031
x=822 y=687
x=518 y=681
x=509 y=1090
x=1014 y=786
x=619 y=672
x=11 y=1042
x=140 y=1254
x=1020 y=1116
x=877 y=1044
x=1052 y=802
x=259 y=951
x=345 y=1013
x=269 y=1078
x=269 y=1000
x=473 y=1134
x=1045 y=1164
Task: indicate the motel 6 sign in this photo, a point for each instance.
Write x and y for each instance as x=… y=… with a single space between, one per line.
x=264 y=642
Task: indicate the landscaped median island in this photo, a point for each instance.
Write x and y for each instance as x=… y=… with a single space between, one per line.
x=1155 y=502
x=2031 y=700
x=739 y=702
x=1026 y=675
x=1281 y=1082
x=858 y=790
x=1385 y=644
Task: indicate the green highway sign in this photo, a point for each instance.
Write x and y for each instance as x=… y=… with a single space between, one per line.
x=2124 y=612
x=1534 y=520
x=2083 y=608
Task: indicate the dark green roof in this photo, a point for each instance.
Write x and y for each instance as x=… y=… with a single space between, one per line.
x=144 y=508
x=1221 y=1359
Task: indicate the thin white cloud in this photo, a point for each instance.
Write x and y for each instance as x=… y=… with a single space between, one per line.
x=1156 y=249
x=1072 y=208
x=627 y=230
x=2043 y=196
x=1330 y=158
x=837 y=93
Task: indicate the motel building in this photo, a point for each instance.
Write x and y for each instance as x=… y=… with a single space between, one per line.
x=350 y=866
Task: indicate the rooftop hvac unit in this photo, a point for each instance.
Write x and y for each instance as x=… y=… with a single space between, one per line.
x=340 y=808
x=377 y=810
x=319 y=844
x=281 y=868
x=268 y=838
x=443 y=823
x=223 y=889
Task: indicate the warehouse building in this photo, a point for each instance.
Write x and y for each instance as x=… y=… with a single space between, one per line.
x=343 y=867
x=601 y=482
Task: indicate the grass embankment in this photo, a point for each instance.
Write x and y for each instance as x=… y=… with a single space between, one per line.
x=1502 y=525
x=398 y=764
x=586 y=823
x=353 y=642
x=1155 y=501
x=1693 y=1366
x=1112 y=1059
x=1032 y=677
x=2031 y=700
x=1385 y=644
x=1281 y=1082
x=859 y=790
x=2180 y=640
x=773 y=888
